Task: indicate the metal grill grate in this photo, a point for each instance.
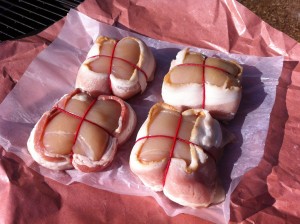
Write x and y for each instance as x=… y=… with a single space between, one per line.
x=19 y=18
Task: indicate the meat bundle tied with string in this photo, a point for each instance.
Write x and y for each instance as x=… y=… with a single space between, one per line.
x=81 y=131
x=178 y=146
x=121 y=68
x=85 y=127
x=197 y=81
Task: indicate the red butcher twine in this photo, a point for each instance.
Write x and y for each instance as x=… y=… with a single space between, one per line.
x=82 y=119
x=112 y=57
x=203 y=65
x=175 y=139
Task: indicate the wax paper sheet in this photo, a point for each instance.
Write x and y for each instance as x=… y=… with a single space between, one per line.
x=53 y=74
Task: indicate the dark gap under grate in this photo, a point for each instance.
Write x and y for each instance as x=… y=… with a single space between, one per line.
x=19 y=18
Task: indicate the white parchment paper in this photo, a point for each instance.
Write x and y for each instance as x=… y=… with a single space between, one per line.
x=52 y=74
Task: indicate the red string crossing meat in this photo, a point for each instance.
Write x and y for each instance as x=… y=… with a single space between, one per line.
x=195 y=81
x=116 y=67
x=203 y=65
x=180 y=160
x=111 y=65
x=172 y=148
x=203 y=84
x=82 y=119
x=112 y=58
x=81 y=132
x=175 y=138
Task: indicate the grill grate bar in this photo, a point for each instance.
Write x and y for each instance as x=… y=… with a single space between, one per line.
x=16 y=21
x=42 y=8
x=8 y=26
x=6 y=34
x=7 y=9
x=54 y=6
x=27 y=10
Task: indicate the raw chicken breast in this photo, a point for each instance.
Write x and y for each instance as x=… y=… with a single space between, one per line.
x=120 y=68
x=81 y=131
x=195 y=81
x=177 y=153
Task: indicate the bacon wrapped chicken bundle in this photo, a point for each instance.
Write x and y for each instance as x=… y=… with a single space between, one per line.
x=81 y=132
x=176 y=152
x=121 y=68
x=195 y=81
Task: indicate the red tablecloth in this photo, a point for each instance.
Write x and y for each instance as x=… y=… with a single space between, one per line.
x=267 y=193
